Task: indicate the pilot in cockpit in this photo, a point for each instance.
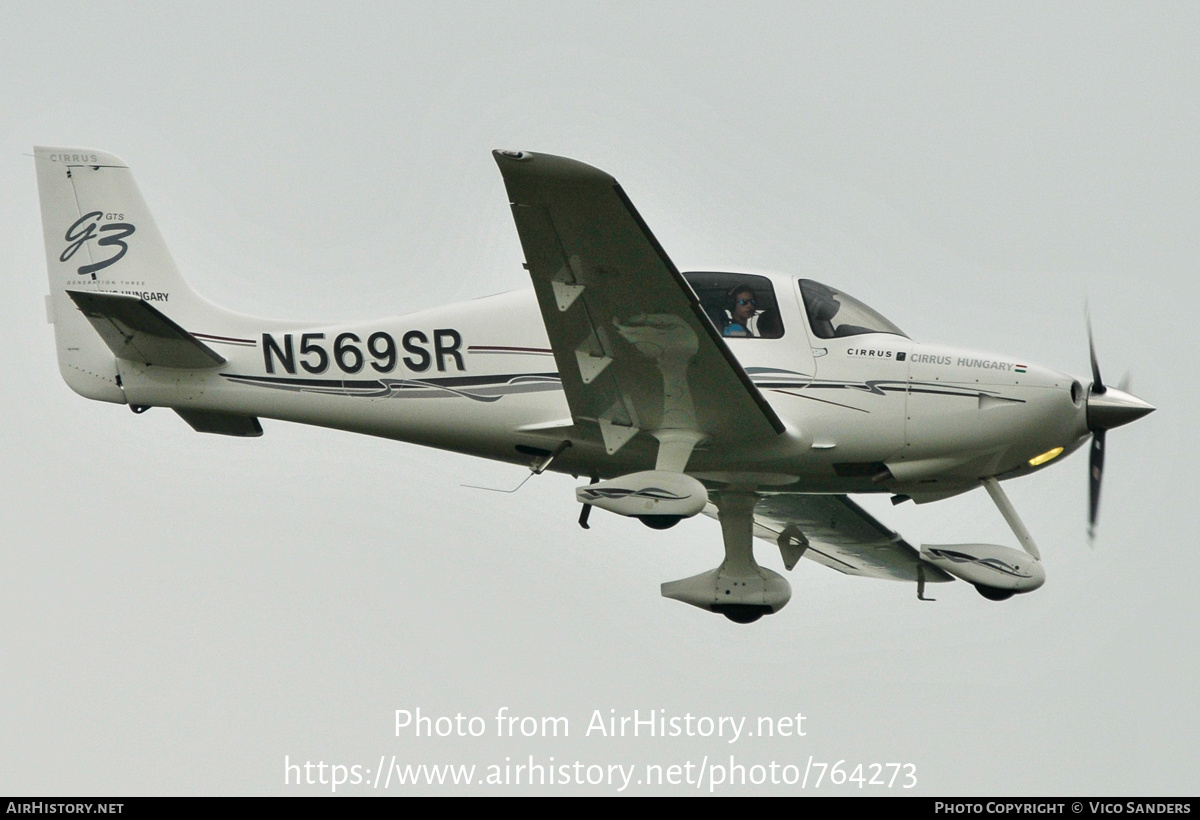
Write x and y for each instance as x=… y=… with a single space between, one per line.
x=742 y=314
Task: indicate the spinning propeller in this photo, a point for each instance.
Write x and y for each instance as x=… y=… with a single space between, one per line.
x=1107 y=407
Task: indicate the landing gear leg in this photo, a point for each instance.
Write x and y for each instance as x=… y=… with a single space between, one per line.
x=1000 y=498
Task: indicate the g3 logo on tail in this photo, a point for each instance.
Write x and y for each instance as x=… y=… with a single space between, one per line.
x=85 y=228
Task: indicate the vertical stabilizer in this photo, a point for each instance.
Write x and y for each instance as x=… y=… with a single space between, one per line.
x=101 y=238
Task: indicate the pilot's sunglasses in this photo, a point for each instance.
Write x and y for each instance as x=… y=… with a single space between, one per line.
x=744 y=302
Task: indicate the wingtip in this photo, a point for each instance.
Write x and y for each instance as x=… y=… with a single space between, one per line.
x=548 y=166
x=505 y=153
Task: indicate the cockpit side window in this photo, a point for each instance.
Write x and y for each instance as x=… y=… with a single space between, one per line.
x=740 y=305
x=834 y=314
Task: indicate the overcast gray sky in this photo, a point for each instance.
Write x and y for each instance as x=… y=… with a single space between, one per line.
x=184 y=611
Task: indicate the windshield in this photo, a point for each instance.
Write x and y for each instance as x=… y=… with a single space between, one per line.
x=834 y=314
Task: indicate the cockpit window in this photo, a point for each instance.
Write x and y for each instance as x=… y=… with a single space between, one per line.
x=740 y=305
x=834 y=314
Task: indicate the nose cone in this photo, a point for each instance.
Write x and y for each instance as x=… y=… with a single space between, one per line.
x=1113 y=407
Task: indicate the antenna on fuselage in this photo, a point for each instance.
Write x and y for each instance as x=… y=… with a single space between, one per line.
x=536 y=468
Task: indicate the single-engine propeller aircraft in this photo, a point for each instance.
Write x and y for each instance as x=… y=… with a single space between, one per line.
x=760 y=400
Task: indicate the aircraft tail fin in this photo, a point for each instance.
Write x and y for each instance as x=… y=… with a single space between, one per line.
x=101 y=241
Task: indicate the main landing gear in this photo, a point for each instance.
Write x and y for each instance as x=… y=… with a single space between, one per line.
x=739 y=589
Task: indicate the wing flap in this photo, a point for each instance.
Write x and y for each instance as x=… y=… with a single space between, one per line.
x=842 y=536
x=137 y=331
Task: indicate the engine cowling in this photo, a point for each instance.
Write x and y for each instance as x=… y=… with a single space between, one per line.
x=988 y=565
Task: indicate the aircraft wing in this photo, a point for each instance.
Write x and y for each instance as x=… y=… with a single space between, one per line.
x=841 y=535
x=613 y=302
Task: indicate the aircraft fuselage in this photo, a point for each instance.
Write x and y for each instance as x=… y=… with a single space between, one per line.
x=934 y=417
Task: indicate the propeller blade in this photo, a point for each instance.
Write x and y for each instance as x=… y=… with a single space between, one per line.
x=1095 y=475
x=1106 y=408
x=1097 y=382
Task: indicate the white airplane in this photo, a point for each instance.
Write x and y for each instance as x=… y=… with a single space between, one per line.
x=760 y=400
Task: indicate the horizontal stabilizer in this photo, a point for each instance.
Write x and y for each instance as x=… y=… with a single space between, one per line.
x=225 y=424
x=138 y=332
